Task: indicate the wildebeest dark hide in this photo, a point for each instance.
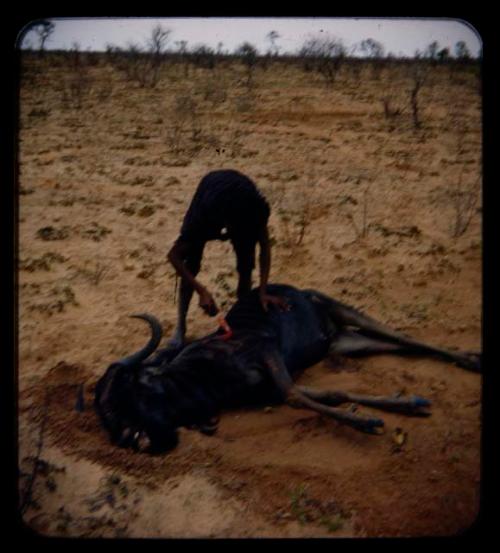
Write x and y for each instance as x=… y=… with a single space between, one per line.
x=143 y=400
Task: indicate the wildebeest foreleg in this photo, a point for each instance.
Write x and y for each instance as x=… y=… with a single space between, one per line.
x=413 y=405
x=296 y=398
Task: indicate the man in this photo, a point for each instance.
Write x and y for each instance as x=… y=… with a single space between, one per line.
x=226 y=206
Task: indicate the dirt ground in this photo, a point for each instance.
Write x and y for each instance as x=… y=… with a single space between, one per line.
x=365 y=207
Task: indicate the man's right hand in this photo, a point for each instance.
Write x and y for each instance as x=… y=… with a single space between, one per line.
x=207 y=303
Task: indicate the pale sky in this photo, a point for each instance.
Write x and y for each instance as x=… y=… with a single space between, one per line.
x=398 y=36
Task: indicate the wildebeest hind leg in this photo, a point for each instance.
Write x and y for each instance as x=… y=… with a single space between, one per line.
x=345 y=316
x=349 y=342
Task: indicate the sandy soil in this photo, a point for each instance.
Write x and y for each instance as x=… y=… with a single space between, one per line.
x=363 y=209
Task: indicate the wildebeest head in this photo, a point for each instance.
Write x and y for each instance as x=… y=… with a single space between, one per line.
x=134 y=414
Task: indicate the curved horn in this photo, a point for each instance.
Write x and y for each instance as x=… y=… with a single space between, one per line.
x=149 y=348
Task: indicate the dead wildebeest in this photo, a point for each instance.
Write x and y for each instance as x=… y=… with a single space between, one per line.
x=142 y=402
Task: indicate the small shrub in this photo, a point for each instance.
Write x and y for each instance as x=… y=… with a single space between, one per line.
x=95 y=232
x=59 y=297
x=146 y=211
x=52 y=233
x=39 y=112
x=43 y=263
x=307 y=509
x=213 y=90
x=463 y=199
x=245 y=102
x=76 y=89
x=91 y=273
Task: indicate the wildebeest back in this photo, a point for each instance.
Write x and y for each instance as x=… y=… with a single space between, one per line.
x=302 y=333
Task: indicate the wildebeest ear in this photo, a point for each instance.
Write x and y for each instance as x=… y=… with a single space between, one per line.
x=80 y=400
x=106 y=398
x=104 y=385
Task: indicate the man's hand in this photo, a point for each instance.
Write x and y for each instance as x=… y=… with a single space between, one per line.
x=207 y=303
x=266 y=300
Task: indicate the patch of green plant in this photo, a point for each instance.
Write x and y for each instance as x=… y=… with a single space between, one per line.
x=62 y=296
x=43 y=263
x=332 y=524
x=298 y=497
x=52 y=233
x=307 y=509
x=95 y=232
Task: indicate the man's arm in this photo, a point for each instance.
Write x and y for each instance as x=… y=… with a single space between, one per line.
x=264 y=258
x=176 y=255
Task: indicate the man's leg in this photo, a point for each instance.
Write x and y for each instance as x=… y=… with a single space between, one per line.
x=245 y=263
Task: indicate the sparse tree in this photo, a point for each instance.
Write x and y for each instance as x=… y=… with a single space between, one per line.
x=157 y=44
x=248 y=54
x=203 y=56
x=139 y=64
x=78 y=83
x=464 y=199
x=324 y=55
x=372 y=48
x=418 y=76
x=464 y=193
x=184 y=117
x=181 y=46
x=182 y=50
x=75 y=55
x=158 y=41
x=76 y=89
x=461 y=51
x=112 y=53
x=43 y=29
x=272 y=36
x=431 y=52
x=443 y=55
x=390 y=111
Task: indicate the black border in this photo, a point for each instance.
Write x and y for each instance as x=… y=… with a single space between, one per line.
x=485 y=523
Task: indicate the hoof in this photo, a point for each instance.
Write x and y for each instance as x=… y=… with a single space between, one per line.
x=471 y=362
x=418 y=401
x=369 y=426
x=417 y=406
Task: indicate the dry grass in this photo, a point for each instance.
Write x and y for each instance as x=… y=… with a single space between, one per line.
x=365 y=207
